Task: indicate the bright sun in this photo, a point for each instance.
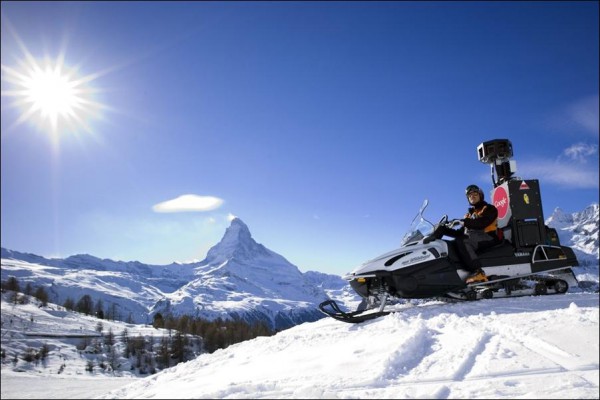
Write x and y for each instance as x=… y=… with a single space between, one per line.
x=52 y=95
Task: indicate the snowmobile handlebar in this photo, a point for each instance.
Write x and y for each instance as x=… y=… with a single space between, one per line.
x=439 y=233
x=449 y=223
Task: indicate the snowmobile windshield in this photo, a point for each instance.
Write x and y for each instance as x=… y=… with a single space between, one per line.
x=419 y=228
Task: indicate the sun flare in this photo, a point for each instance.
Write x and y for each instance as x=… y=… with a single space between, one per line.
x=52 y=95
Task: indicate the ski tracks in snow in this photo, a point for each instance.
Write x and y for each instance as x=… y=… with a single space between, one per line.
x=487 y=346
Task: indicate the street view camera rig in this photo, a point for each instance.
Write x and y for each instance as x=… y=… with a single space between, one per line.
x=497 y=154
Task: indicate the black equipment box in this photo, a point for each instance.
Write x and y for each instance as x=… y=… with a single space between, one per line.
x=520 y=214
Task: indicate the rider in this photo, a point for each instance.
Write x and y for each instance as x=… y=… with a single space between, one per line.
x=477 y=230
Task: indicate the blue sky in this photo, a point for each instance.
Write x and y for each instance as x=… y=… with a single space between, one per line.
x=322 y=125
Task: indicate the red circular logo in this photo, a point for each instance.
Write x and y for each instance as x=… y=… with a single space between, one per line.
x=500 y=200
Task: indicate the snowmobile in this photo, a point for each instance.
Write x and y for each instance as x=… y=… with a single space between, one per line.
x=526 y=260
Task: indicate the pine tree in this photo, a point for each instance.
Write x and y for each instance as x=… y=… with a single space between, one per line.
x=12 y=284
x=158 y=321
x=69 y=304
x=109 y=338
x=163 y=357
x=125 y=340
x=44 y=350
x=28 y=289
x=42 y=295
x=99 y=309
x=85 y=304
x=178 y=347
x=113 y=357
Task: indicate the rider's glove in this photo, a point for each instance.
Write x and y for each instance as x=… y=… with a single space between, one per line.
x=456 y=223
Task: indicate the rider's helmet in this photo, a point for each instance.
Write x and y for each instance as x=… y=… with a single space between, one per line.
x=474 y=188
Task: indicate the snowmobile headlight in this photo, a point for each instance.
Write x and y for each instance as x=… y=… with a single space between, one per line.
x=361 y=280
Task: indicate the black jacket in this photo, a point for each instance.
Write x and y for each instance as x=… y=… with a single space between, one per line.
x=481 y=216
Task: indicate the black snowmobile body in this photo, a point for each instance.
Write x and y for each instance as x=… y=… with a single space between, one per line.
x=444 y=273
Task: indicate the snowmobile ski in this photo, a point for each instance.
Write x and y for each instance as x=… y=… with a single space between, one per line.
x=350 y=317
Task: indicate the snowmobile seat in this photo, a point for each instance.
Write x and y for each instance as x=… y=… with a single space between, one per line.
x=499 y=240
x=501 y=248
x=488 y=245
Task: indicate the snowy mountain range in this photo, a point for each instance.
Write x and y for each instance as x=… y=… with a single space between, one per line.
x=238 y=278
x=579 y=231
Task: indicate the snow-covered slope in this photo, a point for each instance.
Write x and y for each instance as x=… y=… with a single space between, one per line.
x=29 y=326
x=498 y=348
x=128 y=288
x=502 y=348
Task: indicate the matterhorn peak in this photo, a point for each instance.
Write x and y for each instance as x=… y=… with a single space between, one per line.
x=236 y=243
x=237 y=231
x=559 y=218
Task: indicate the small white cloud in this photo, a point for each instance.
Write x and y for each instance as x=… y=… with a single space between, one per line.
x=580 y=152
x=231 y=217
x=189 y=202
